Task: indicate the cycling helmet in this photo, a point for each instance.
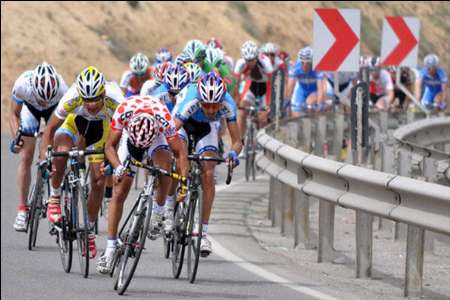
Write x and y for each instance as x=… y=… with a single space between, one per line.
x=431 y=60
x=249 y=50
x=305 y=55
x=90 y=83
x=195 y=49
x=45 y=82
x=193 y=70
x=162 y=55
x=176 y=78
x=139 y=64
x=211 y=88
x=214 y=57
x=284 y=56
x=160 y=71
x=364 y=61
x=214 y=43
x=183 y=58
x=374 y=63
x=269 y=48
x=142 y=130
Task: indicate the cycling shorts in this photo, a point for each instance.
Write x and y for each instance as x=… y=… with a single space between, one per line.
x=30 y=118
x=205 y=135
x=251 y=90
x=429 y=96
x=127 y=149
x=95 y=133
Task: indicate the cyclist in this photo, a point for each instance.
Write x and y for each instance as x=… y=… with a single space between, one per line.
x=346 y=80
x=216 y=44
x=271 y=51
x=214 y=61
x=199 y=114
x=435 y=81
x=381 y=87
x=82 y=114
x=35 y=95
x=308 y=91
x=159 y=72
x=133 y=79
x=405 y=79
x=256 y=70
x=141 y=126
x=162 y=55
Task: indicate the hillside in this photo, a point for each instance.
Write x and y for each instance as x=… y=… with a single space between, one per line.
x=73 y=35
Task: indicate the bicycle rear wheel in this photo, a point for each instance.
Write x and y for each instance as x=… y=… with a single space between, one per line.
x=33 y=217
x=82 y=229
x=134 y=243
x=65 y=234
x=248 y=151
x=194 y=235
x=252 y=152
x=179 y=238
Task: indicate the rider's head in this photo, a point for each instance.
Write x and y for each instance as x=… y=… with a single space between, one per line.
x=249 y=52
x=431 y=62
x=271 y=50
x=139 y=64
x=193 y=70
x=374 y=66
x=162 y=55
x=176 y=79
x=91 y=89
x=159 y=71
x=213 y=59
x=196 y=50
x=142 y=130
x=214 y=43
x=45 y=82
x=211 y=89
x=305 y=56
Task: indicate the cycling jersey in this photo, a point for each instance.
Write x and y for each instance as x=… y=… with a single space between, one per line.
x=190 y=107
x=433 y=83
x=345 y=83
x=306 y=85
x=261 y=73
x=72 y=103
x=133 y=83
x=224 y=71
x=382 y=85
x=34 y=109
x=149 y=87
x=149 y=105
x=162 y=93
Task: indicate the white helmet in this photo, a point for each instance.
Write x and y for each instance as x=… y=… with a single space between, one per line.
x=431 y=60
x=139 y=64
x=211 y=88
x=193 y=70
x=269 y=48
x=142 y=129
x=45 y=82
x=249 y=50
x=305 y=55
x=90 y=83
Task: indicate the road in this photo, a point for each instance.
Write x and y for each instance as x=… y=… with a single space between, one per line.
x=238 y=268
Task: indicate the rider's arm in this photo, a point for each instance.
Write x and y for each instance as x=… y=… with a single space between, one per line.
x=320 y=90
x=290 y=88
x=236 y=142
x=178 y=123
x=14 y=118
x=180 y=152
x=418 y=88
x=445 y=92
x=111 y=147
x=49 y=133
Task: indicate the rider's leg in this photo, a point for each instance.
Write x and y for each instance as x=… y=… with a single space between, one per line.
x=24 y=169
x=120 y=193
x=162 y=159
x=208 y=186
x=242 y=118
x=96 y=192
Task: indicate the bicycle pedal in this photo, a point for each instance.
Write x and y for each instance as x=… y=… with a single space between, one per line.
x=53 y=231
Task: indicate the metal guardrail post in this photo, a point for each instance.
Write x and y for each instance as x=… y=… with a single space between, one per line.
x=338 y=135
x=304 y=135
x=284 y=196
x=272 y=193
x=321 y=135
x=364 y=232
x=277 y=205
x=414 y=261
x=404 y=169
x=326 y=232
x=301 y=220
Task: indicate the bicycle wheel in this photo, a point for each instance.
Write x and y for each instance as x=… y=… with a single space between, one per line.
x=33 y=217
x=81 y=229
x=252 y=152
x=65 y=234
x=134 y=243
x=179 y=238
x=247 y=153
x=167 y=240
x=194 y=235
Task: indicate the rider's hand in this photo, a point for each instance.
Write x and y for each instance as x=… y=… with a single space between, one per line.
x=182 y=192
x=13 y=148
x=106 y=169
x=118 y=173
x=232 y=157
x=43 y=166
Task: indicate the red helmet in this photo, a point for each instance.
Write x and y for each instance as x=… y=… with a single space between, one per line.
x=159 y=72
x=214 y=43
x=142 y=130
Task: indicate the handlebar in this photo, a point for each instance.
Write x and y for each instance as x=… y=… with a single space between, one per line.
x=199 y=158
x=20 y=133
x=75 y=153
x=155 y=170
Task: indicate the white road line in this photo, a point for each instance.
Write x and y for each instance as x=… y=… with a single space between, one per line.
x=228 y=255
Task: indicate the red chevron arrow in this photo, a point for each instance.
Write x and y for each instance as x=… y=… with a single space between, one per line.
x=407 y=41
x=345 y=41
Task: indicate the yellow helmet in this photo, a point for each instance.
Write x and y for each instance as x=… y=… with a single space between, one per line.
x=90 y=83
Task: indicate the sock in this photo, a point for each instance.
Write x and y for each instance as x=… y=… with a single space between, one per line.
x=157 y=208
x=204 y=229
x=111 y=246
x=91 y=225
x=108 y=192
x=24 y=208
x=170 y=201
x=55 y=192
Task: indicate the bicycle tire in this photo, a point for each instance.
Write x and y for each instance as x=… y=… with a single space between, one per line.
x=138 y=232
x=252 y=152
x=65 y=238
x=194 y=242
x=179 y=236
x=31 y=219
x=81 y=230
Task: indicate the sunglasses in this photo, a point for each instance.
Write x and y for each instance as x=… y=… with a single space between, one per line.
x=93 y=100
x=250 y=60
x=208 y=106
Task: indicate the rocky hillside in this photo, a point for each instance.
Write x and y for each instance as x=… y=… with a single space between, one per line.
x=73 y=35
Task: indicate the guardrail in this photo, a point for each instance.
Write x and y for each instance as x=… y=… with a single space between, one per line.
x=370 y=193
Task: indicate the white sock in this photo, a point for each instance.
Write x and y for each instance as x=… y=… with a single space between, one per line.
x=157 y=208
x=55 y=192
x=204 y=229
x=111 y=246
x=91 y=225
x=170 y=201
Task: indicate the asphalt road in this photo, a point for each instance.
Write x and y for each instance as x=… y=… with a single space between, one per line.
x=237 y=269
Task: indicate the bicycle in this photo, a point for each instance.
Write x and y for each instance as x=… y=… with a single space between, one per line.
x=188 y=214
x=74 y=223
x=133 y=233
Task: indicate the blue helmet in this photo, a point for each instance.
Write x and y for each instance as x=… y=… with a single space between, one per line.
x=176 y=78
x=211 y=88
x=163 y=55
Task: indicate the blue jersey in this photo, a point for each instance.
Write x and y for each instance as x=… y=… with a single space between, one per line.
x=433 y=83
x=190 y=107
x=306 y=81
x=162 y=93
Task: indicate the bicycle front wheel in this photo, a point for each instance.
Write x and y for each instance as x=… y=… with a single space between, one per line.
x=194 y=235
x=65 y=234
x=134 y=241
x=81 y=229
x=179 y=238
x=34 y=216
